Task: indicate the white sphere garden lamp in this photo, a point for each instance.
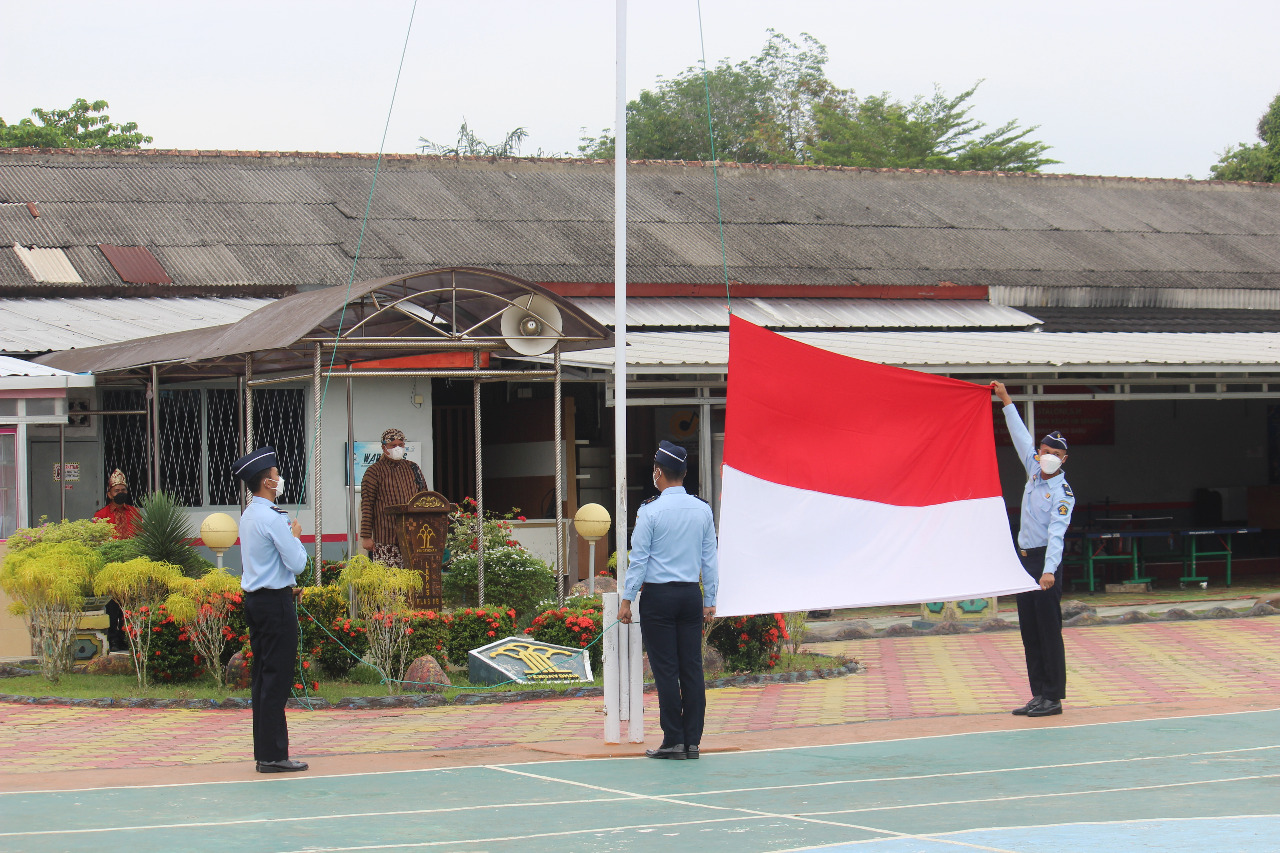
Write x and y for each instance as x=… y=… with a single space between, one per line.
x=219 y=532
x=592 y=521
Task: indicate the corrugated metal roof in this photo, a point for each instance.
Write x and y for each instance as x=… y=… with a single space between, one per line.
x=954 y=352
x=10 y=366
x=135 y=264
x=39 y=325
x=215 y=221
x=48 y=265
x=675 y=313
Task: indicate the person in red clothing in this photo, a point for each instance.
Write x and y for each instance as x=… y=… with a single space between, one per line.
x=120 y=511
x=124 y=517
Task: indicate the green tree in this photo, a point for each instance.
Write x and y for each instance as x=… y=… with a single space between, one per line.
x=470 y=145
x=82 y=125
x=761 y=109
x=927 y=133
x=1259 y=161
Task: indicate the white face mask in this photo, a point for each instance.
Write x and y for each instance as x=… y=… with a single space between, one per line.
x=655 y=482
x=1049 y=464
x=279 y=486
x=396 y=453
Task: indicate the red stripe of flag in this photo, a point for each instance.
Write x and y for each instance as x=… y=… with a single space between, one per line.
x=805 y=417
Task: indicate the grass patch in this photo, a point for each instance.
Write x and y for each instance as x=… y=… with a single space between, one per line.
x=363 y=682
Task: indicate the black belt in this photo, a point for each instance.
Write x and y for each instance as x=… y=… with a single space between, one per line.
x=671 y=583
x=1027 y=552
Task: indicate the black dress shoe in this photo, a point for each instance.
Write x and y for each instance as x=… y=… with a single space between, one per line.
x=284 y=765
x=1026 y=709
x=691 y=751
x=1046 y=708
x=675 y=751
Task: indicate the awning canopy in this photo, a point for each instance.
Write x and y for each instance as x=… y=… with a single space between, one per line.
x=456 y=308
x=993 y=354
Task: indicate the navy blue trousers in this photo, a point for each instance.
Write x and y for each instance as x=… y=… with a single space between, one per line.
x=671 y=625
x=1040 y=621
x=273 y=638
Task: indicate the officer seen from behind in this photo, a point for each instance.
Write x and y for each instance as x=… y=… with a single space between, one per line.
x=1047 y=503
x=672 y=548
x=273 y=555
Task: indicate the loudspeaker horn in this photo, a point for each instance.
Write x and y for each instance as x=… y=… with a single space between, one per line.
x=531 y=324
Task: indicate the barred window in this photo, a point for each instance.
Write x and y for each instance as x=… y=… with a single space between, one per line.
x=222 y=432
x=125 y=439
x=181 y=446
x=279 y=419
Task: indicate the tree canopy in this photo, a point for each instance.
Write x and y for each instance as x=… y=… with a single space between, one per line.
x=780 y=107
x=1259 y=161
x=82 y=125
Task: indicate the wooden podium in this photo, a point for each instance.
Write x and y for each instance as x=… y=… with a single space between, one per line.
x=422 y=528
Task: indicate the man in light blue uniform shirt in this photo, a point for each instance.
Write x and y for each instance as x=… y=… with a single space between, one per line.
x=273 y=556
x=673 y=548
x=1047 y=503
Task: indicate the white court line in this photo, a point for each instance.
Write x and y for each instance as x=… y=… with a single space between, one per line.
x=938 y=836
x=957 y=773
x=273 y=779
x=1080 y=793
x=302 y=818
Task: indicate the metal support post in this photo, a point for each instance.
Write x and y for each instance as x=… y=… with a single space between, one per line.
x=475 y=402
x=561 y=566
x=155 y=427
x=316 y=456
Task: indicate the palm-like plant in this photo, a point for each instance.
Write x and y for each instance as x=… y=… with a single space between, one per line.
x=165 y=535
x=470 y=145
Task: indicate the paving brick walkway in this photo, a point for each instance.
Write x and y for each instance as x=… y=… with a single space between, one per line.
x=906 y=677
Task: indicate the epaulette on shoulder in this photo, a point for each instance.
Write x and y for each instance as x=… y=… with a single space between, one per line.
x=649 y=500
x=1066 y=489
x=279 y=510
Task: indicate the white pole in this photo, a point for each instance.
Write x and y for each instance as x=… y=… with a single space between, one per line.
x=623 y=676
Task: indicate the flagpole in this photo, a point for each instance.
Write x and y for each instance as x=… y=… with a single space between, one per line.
x=624 y=697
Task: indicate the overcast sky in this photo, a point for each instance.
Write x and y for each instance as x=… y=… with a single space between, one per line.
x=1122 y=87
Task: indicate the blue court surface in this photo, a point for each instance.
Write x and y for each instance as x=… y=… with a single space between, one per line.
x=1206 y=783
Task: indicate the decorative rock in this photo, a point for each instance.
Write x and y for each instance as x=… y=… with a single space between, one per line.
x=119 y=663
x=1133 y=617
x=1082 y=619
x=948 y=628
x=712 y=660
x=1220 y=613
x=238 y=674
x=1178 y=614
x=1074 y=607
x=604 y=583
x=995 y=624
x=428 y=675
x=646 y=671
x=858 y=629
x=1271 y=599
x=1261 y=608
x=900 y=630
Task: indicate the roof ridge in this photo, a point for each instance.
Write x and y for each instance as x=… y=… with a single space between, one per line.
x=578 y=161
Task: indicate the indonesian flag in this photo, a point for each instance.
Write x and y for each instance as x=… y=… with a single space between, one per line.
x=852 y=484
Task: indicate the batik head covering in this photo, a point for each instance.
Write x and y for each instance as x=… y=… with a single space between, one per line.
x=392 y=434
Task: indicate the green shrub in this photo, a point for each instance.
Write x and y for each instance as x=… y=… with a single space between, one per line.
x=749 y=643
x=335 y=661
x=430 y=636
x=117 y=551
x=172 y=656
x=87 y=531
x=473 y=627
x=576 y=628
x=511 y=575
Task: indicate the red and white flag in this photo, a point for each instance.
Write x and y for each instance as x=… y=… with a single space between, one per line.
x=851 y=484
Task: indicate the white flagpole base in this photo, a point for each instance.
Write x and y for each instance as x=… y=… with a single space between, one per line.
x=623 y=676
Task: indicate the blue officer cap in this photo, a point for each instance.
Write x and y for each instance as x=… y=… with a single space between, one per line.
x=671 y=456
x=1054 y=440
x=254 y=463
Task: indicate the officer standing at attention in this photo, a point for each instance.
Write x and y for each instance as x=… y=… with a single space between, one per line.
x=1047 y=502
x=672 y=547
x=273 y=555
